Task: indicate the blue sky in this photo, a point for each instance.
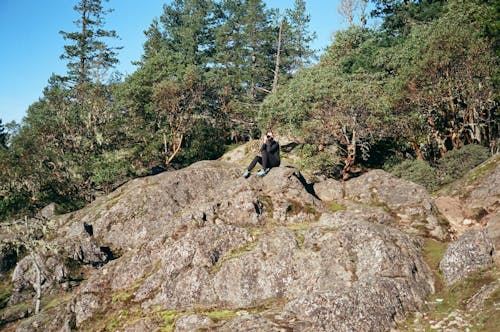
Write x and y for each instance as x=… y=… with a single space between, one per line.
x=31 y=43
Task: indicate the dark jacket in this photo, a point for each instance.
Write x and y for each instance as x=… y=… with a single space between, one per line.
x=273 y=148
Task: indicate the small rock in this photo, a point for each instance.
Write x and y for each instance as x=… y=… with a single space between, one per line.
x=468 y=222
x=471 y=252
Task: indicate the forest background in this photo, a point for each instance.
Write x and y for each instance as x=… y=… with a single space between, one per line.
x=416 y=95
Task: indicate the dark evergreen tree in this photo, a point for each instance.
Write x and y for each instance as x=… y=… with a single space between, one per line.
x=299 y=37
x=400 y=15
x=89 y=56
x=154 y=43
x=187 y=29
x=3 y=135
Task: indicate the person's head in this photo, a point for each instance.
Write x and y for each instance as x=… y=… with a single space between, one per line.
x=269 y=135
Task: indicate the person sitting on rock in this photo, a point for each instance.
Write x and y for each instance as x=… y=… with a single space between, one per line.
x=270 y=156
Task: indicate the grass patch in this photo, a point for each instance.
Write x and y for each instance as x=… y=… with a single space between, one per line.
x=5 y=291
x=295 y=208
x=169 y=318
x=333 y=206
x=433 y=252
x=55 y=301
x=12 y=313
x=299 y=237
x=489 y=320
x=300 y=226
x=121 y=297
x=220 y=315
x=235 y=253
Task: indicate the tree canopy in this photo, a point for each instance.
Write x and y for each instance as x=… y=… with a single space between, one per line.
x=420 y=84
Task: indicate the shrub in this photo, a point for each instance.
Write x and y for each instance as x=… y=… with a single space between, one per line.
x=418 y=171
x=324 y=162
x=111 y=168
x=451 y=167
x=457 y=162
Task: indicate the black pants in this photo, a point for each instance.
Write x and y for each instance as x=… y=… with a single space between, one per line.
x=267 y=161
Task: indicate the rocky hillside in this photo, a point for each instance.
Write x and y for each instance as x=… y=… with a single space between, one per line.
x=204 y=248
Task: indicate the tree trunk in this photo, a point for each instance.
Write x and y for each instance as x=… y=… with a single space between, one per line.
x=278 y=58
x=351 y=157
x=176 y=146
x=418 y=151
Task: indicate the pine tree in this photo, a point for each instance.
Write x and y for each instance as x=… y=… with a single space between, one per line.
x=244 y=61
x=154 y=42
x=3 y=135
x=299 y=37
x=89 y=57
x=188 y=34
x=259 y=50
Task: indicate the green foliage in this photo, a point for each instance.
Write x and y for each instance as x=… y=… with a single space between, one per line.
x=89 y=56
x=418 y=171
x=454 y=165
x=3 y=136
x=323 y=162
x=457 y=162
x=399 y=16
x=204 y=141
x=111 y=168
x=5 y=292
x=14 y=204
x=299 y=38
x=423 y=83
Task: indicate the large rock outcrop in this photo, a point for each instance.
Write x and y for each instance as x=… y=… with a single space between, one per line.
x=203 y=248
x=408 y=203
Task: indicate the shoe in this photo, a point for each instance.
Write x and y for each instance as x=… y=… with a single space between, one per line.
x=262 y=172
x=246 y=174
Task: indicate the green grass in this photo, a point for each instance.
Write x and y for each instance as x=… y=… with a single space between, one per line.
x=299 y=237
x=235 y=253
x=5 y=291
x=433 y=252
x=220 y=315
x=333 y=206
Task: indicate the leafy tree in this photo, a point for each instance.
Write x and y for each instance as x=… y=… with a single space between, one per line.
x=154 y=43
x=187 y=31
x=175 y=102
x=445 y=69
x=335 y=102
x=258 y=51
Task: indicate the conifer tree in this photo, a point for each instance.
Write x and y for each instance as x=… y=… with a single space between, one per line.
x=299 y=37
x=89 y=57
x=3 y=135
x=188 y=34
